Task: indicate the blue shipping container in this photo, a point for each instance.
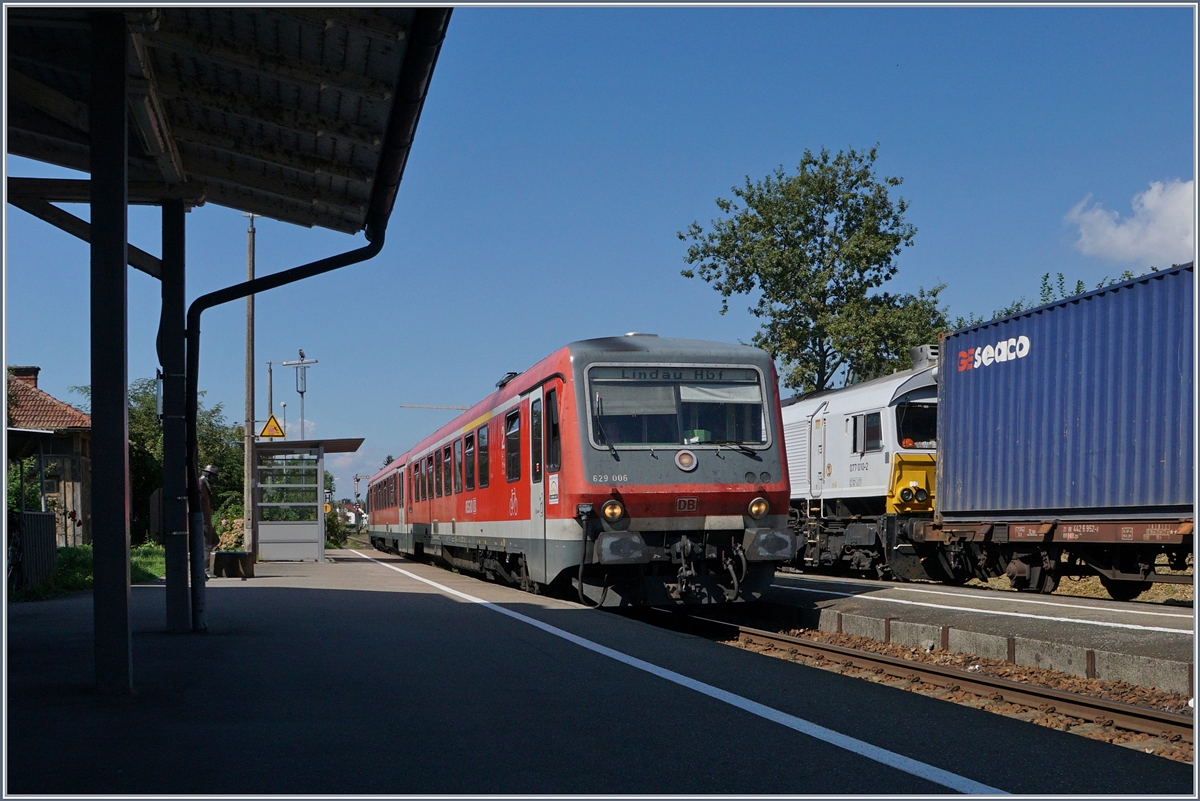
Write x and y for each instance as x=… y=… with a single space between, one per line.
x=1079 y=408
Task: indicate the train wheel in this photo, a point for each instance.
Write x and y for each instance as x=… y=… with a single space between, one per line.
x=1047 y=582
x=1124 y=590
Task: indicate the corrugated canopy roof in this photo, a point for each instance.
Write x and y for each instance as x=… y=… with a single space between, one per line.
x=300 y=114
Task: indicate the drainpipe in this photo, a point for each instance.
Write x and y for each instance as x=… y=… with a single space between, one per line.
x=425 y=38
x=199 y=305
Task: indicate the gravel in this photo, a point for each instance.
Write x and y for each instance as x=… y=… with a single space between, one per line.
x=1169 y=748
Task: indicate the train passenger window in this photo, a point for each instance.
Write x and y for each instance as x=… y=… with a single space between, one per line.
x=435 y=465
x=458 y=465
x=553 y=435
x=446 y=468
x=512 y=445
x=483 y=456
x=400 y=486
x=470 y=440
x=868 y=433
x=427 y=478
x=413 y=487
x=535 y=441
x=391 y=490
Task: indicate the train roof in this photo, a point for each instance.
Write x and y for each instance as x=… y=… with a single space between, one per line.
x=1141 y=279
x=889 y=387
x=637 y=345
x=631 y=346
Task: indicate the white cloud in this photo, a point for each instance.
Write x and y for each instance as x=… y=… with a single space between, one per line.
x=1161 y=231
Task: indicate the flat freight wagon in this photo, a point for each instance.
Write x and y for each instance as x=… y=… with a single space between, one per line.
x=1065 y=438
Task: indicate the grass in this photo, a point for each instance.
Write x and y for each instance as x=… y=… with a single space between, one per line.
x=147 y=564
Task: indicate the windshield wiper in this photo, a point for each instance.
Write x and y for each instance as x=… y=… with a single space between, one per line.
x=607 y=441
x=736 y=445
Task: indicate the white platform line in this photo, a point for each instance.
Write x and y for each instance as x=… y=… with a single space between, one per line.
x=1102 y=623
x=864 y=749
x=1002 y=597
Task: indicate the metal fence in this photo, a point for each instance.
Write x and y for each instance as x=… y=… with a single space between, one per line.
x=39 y=549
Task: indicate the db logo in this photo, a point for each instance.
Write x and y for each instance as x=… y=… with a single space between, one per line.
x=512 y=504
x=1006 y=350
x=685 y=504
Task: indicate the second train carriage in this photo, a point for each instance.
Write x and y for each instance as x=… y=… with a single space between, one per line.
x=634 y=470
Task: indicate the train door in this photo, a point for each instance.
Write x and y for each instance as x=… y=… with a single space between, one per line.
x=401 y=518
x=816 y=465
x=537 y=486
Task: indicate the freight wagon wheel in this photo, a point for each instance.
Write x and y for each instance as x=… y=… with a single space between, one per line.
x=1120 y=590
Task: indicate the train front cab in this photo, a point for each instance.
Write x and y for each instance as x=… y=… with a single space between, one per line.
x=684 y=490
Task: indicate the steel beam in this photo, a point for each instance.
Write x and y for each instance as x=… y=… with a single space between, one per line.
x=75 y=190
x=65 y=221
x=171 y=355
x=109 y=362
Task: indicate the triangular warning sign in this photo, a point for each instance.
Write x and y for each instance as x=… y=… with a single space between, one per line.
x=271 y=429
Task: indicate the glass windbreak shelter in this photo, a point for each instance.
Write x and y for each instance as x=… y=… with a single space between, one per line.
x=290 y=499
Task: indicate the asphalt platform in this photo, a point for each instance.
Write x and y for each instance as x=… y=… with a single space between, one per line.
x=383 y=676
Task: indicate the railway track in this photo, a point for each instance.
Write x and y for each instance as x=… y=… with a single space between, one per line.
x=1158 y=723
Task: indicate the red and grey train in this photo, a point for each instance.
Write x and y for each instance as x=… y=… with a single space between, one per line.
x=627 y=471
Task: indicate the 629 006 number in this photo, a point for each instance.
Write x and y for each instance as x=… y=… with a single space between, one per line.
x=598 y=478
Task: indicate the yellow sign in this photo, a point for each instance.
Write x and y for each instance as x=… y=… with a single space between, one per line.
x=327 y=508
x=271 y=429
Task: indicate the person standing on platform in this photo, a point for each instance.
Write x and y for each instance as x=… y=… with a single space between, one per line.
x=207 y=477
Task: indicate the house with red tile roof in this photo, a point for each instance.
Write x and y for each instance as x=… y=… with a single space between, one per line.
x=66 y=454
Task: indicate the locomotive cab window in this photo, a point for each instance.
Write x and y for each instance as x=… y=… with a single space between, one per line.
x=512 y=445
x=868 y=432
x=647 y=405
x=553 y=434
x=916 y=425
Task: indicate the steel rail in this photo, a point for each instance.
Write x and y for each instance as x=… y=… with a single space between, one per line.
x=1097 y=710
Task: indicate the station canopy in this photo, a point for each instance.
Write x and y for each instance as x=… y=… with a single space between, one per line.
x=300 y=114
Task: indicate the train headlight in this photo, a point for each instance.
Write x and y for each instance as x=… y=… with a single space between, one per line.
x=612 y=511
x=906 y=495
x=758 y=508
x=922 y=495
x=685 y=461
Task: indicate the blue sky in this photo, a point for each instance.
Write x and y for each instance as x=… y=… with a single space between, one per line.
x=561 y=149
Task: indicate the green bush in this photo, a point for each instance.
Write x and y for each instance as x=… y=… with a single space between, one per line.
x=147 y=564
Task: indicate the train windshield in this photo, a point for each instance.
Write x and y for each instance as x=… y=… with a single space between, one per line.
x=647 y=405
x=916 y=425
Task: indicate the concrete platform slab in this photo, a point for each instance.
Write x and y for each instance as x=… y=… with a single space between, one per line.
x=1144 y=644
x=353 y=678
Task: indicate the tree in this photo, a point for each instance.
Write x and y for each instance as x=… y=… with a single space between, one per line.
x=219 y=443
x=389 y=460
x=816 y=246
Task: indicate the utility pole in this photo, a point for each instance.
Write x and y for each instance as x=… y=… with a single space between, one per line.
x=284 y=405
x=248 y=474
x=301 y=366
